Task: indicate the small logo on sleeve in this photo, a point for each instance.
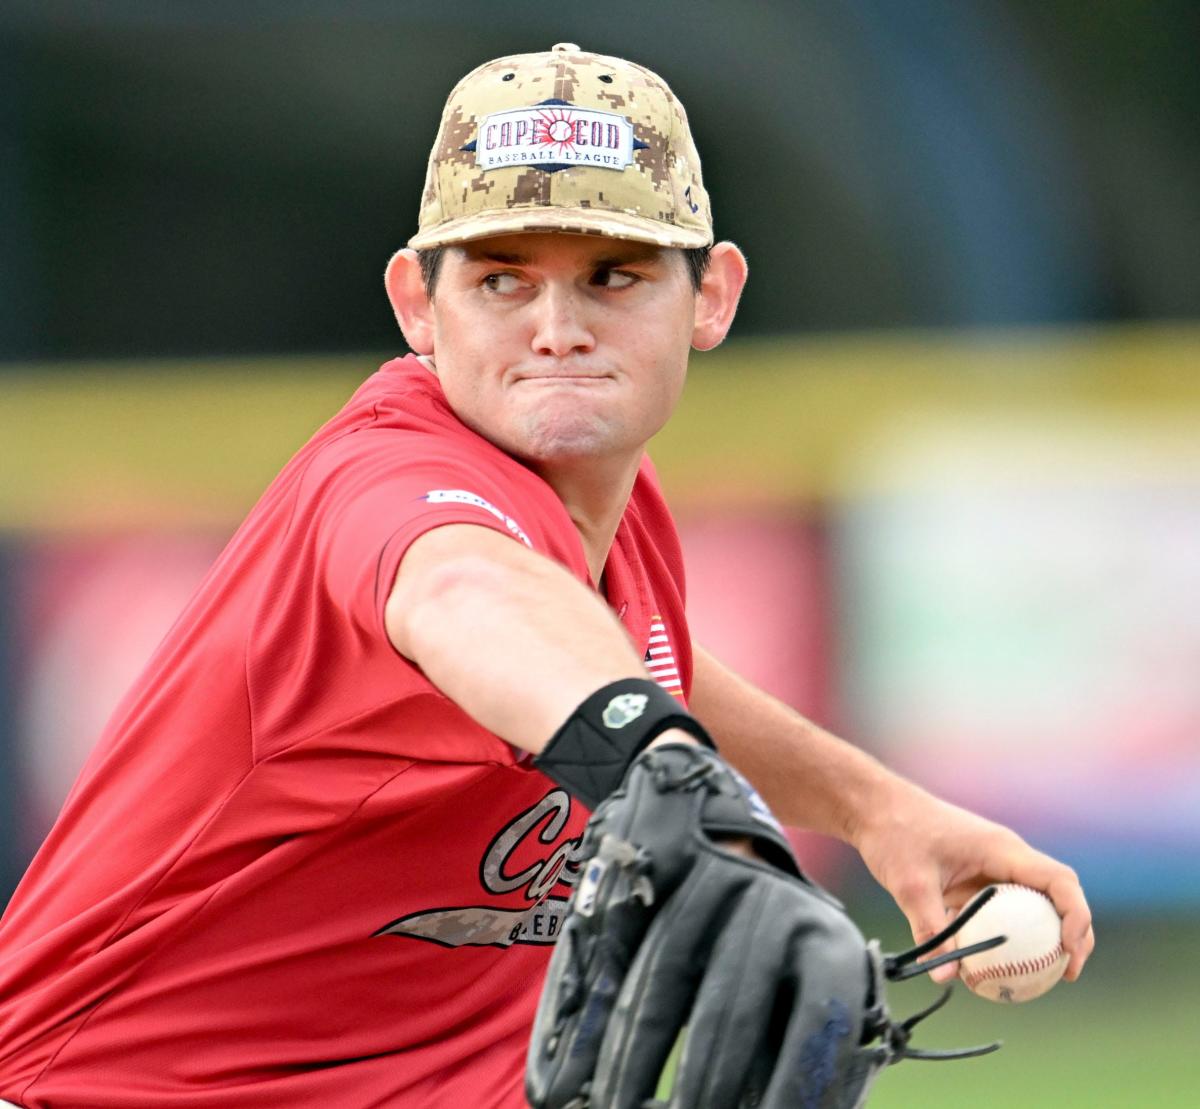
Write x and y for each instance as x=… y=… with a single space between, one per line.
x=462 y=496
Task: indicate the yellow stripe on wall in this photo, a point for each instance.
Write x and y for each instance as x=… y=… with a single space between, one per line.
x=173 y=444
x=786 y=419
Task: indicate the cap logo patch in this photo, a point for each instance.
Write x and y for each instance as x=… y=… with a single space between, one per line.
x=554 y=135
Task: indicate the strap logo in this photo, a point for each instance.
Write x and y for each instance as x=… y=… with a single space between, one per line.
x=623 y=709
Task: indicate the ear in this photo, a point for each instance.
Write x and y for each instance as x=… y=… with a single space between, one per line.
x=719 y=293
x=406 y=291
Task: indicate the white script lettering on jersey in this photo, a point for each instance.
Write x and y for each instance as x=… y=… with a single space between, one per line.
x=488 y=925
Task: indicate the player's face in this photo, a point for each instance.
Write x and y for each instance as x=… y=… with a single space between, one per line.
x=562 y=348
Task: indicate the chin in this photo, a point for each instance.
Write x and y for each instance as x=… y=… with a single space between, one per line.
x=573 y=438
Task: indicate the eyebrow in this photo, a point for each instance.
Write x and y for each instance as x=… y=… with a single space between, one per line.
x=504 y=258
x=635 y=252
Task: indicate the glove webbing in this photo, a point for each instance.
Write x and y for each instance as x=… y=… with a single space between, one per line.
x=589 y=754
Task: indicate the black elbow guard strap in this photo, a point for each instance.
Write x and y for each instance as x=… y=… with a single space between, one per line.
x=589 y=754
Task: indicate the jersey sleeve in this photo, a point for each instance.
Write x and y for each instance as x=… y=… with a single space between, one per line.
x=374 y=498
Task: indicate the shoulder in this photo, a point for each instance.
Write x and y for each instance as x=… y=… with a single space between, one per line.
x=399 y=424
x=406 y=460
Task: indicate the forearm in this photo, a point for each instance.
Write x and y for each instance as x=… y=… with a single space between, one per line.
x=929 y=854
x=808 y=777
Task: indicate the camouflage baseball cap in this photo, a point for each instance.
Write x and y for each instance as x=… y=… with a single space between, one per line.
x=564 y=141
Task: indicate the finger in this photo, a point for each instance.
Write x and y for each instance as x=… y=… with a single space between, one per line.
x=654 y=1002
x=728 y=1026
x=1079 y=938
x=828 y=974
x=561 y=1063
x=1061 y=884
x=922 y=902
x=1079 y=953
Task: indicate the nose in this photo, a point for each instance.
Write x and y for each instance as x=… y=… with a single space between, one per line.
x=561 y=324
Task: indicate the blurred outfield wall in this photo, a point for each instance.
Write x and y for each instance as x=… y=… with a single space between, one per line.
x=978 y=555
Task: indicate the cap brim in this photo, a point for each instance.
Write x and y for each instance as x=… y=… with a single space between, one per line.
x=571 y=221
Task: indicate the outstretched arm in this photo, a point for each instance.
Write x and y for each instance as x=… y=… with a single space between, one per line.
x=930 y=855
x=507 y=634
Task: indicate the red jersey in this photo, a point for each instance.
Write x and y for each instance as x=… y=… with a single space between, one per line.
x=293 y=873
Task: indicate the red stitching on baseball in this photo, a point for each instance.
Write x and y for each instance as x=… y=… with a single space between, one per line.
x=1025 y=966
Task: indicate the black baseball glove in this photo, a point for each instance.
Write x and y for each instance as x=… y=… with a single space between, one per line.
x=670 y=929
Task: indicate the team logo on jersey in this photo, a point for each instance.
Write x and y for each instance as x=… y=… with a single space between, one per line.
x=554 y=135
x=623 y=709
x=488 y=926
x=463 y=496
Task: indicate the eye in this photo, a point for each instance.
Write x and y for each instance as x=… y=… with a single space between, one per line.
x=615 y=279
x=508 y=77
x=606 y=78
x=501 y=282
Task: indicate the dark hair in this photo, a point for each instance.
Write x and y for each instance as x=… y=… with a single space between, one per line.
x=431 y=265
x=696 y=259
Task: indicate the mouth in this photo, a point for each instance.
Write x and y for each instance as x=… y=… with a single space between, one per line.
x=567 y=378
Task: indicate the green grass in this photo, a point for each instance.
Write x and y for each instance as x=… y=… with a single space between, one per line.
x=1123 y=1035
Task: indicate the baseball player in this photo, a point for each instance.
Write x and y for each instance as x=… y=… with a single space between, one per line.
x=323 y=851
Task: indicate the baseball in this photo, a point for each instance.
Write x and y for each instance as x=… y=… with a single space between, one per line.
x=1030 y=962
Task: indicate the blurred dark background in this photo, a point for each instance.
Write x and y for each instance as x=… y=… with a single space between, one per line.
x=192 y=178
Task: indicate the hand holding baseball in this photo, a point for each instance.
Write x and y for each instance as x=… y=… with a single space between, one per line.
x=930 y=854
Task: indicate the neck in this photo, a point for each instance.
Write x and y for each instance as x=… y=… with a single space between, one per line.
x=595 y=496
x=594 y=493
